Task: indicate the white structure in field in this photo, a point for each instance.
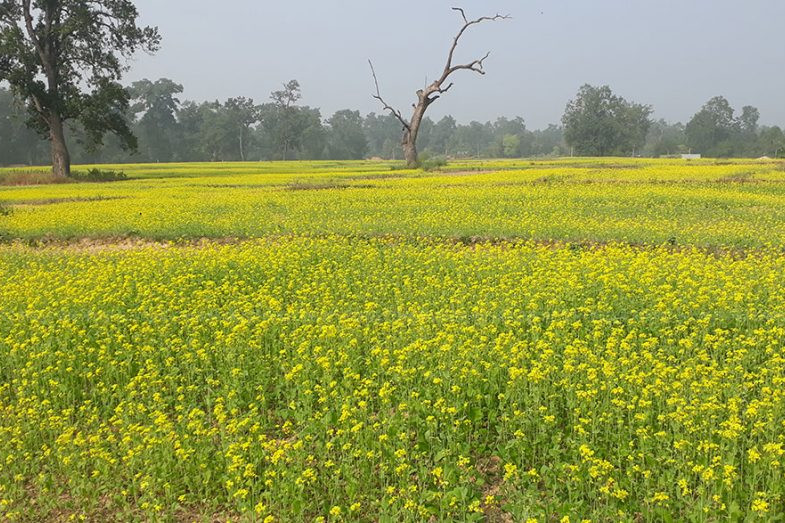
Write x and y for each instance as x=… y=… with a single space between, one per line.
x=690 y=156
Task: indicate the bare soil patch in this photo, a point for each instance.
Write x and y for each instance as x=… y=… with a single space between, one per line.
x=297 y=186
x=90 y=245
x=465 y=173
x=54 y=201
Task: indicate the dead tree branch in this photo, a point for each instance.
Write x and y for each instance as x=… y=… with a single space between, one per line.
x=387 y=107
x=476 y=65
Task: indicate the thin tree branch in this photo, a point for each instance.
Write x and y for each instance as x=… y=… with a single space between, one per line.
x=387 y=107
x=28 y=16
x=476 y=65
x=444 y=90
x=463 y=13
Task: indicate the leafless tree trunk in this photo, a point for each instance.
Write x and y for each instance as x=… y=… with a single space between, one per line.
x=432 y=92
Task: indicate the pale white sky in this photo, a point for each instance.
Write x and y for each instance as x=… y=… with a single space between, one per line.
x=672 y=54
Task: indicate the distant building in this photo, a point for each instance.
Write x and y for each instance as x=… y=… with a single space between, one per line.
x=690 y=156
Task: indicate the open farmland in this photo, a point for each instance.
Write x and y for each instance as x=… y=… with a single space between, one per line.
x=707 y=203
x=598 y=339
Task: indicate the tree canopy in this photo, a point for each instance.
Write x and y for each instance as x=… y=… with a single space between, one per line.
x=600 y=123
x=156 y=128
x=64 y=59
x=715 y=130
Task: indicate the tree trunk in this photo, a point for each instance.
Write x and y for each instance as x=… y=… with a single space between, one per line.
x=61 y=159
x=410 y=134
x=410 y=151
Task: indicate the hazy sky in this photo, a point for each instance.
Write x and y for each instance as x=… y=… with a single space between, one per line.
x=672 y=54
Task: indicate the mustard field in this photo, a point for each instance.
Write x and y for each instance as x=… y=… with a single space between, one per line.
x=568 y=340
x=705 y=203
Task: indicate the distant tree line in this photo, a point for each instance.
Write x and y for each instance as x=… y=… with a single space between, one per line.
x=595 y=123
x=600 y=123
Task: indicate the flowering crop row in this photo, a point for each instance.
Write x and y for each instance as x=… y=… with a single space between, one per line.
x=637 y=201
x=301 y=379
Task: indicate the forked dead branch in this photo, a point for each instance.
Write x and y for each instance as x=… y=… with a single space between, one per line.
x=433 y=91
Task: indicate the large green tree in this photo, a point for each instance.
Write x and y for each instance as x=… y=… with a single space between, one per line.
x=600 y=123
x=772 y=142
x=508 y=137
x=223 y=131
x=291 y=131
x=64 y=58
x=216 y=134
x=283 y=120
x=346 y=139
x=156 y=128
x=713 y=130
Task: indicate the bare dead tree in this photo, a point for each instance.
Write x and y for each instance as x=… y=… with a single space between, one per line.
x=433 y=91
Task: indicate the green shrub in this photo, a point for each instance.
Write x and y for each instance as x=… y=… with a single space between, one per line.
x=432 y=163
x=98 y=175
x=4 y=211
